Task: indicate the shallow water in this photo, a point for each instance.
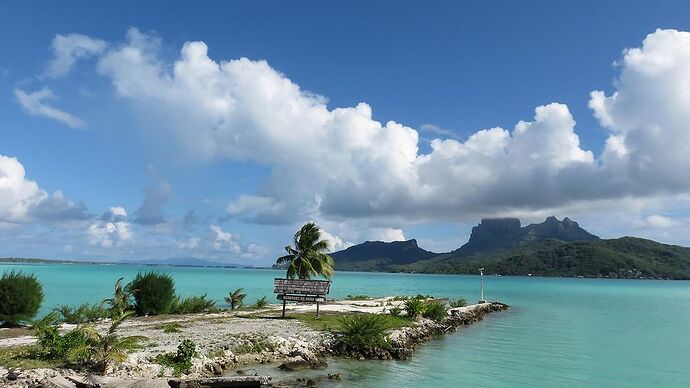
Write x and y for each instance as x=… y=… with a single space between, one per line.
x=558 y=332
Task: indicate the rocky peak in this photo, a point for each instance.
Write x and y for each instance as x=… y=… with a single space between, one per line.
x=501 y=233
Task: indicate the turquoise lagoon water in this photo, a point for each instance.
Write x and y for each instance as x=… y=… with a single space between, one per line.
x=558 y=332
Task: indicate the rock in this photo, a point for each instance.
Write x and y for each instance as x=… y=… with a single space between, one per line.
x=216 y=369
x=311 y=383
x=145 y=383
x=334 y=376
x=12 y=375
x=58 y=382
x=295 y=364
x=236 y=381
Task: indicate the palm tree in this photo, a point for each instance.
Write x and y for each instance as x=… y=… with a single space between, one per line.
x=236 y=298
x=102 y=349
x=119 y=303
x=308 y=256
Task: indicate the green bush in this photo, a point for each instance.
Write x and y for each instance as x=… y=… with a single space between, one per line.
x=435 y=311
x=395 y=311
x=153 y=293
x=414 y=307
x=83 y=313
x=169 y=327
x=21 y=296
x=460 y=302
x=104 y=348
x=358 y=297
x=181 y=361
x=261 y=302
x=364 y=331
x=192 y=305
x=53 y=345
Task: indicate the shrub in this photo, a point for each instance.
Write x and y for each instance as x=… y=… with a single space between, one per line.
x=460 y=302
x=364 y=331
x=414 y=307
x=435 y=311
x=100 y=350
x=53 y=345
x=261 y=302
x=21 y=296
x=395 y=311
x=192 y=305
x=358 y=297
x=181 y=361
x=153 y=293
x=83 y=313
x=255 y=347
x=169 y=327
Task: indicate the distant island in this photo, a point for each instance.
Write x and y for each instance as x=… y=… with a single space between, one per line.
x=504 y=247
x=174 y=262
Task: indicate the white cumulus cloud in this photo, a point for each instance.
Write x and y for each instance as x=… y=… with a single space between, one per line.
x=341 y=163
x=22 y=200
x=111 y=230
x=68 y=49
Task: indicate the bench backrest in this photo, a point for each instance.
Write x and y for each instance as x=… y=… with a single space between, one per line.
x=301 y=287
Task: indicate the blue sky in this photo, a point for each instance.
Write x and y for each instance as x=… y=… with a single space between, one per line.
x=199 y=178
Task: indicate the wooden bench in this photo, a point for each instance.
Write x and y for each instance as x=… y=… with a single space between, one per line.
x=295 y=290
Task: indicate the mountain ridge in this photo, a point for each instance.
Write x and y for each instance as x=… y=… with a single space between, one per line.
x=551 y=248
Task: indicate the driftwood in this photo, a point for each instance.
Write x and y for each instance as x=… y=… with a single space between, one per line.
x=221 y=382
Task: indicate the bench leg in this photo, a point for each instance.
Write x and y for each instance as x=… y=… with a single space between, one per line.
x=317 y=310
x=283 y=308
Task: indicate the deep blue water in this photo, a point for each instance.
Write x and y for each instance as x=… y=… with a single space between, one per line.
x=558 y=332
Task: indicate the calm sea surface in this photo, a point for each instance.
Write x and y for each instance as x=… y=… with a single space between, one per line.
x=558 y=332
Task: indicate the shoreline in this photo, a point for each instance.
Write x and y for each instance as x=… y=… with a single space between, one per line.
x=230 y=341
x=528 y=275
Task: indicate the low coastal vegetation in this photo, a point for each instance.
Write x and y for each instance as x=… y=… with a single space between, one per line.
x=358 y=297
x=455 y=303
x=169 y=327
x=364 y=331
x=236 y=298
x=333 y=322
x=261 y=302
x=193 y=305
x=83 y=313
x=82 y=347
x=181 y=361
x=153 y=293
x=98 y=350
x=21 y=295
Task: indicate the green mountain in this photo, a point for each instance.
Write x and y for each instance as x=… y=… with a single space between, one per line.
x=379 y=256
x=550 y=248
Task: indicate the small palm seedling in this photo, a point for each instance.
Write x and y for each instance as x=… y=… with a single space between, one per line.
x=120 y=302
x=100 y=350
x=261 y=302
x=236 y=298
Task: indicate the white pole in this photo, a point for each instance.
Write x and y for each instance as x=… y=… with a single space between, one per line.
x=481 y=282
